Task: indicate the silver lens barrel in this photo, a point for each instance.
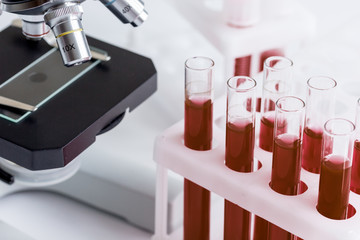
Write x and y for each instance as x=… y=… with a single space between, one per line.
x=34 y=27
x=128 y=11
x=65 y=22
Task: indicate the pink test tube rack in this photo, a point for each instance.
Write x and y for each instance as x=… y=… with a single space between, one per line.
x=251 y=191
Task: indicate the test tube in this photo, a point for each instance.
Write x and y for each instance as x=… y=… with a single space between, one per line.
x=197 y=136
x=277 y=75
x=242 y=13
x=239 y=148
x=335 y=171
x=355 y=170
x=320 y=107
x=286 y=163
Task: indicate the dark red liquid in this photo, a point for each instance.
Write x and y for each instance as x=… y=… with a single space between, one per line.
x=266 y=137
x=286 y=165
x=268 y=231
x=269 y=53
x=242 y=66
x=258 y=105
x=355 y=170
x=249 y=104
x=263 y=230
x=240 y=139
x=196 y=211
x=260 y=228
x=239 y=156
x=285 y=175
x=311 y=151
x=351 y=211
x=197 y=136
x=277 y=233
x=271 y=104
x=334 y=187
x=236 y=222
x=198 y=123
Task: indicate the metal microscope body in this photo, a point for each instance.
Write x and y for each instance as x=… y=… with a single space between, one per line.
x=64 y=17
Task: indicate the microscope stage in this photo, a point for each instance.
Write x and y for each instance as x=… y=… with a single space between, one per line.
x=68 y=122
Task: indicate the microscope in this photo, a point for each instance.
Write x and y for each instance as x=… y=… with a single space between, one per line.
x=63 y=17
x=51 y=108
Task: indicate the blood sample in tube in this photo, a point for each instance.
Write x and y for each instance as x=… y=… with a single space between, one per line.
x=286 y=162
x=312 y=149
x=240 y=138
x=335 y=171
x=285 y=175
x=355 y=170
x=320 y=107
x=334 y=187
x=198 y=123
x=197 y=136
x=239 y=149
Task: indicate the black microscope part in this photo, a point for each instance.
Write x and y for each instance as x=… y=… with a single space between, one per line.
x=16 y=1
x=6 y=177
x=112 y=124
x=66 y=125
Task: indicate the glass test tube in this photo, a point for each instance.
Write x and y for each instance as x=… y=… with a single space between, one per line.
x=197 y=136
x=241 y=13
x=320 y=107
x=276 y=83
x=239 y=152
x=277 y=75
x=286 y=164
x=335 y=171
x=355 y=170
